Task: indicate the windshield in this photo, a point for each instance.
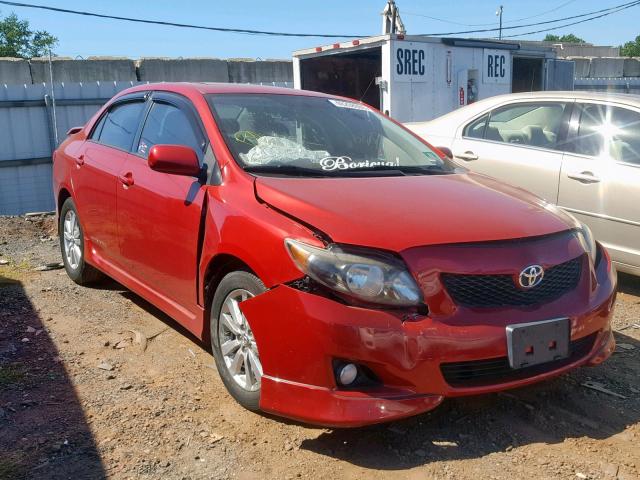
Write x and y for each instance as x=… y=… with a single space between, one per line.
x=316 y=136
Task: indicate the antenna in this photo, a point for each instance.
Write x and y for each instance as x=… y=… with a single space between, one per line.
x=499 y=14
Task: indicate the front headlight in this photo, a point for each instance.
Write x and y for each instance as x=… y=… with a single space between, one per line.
x=586 y=240
x=370 y=278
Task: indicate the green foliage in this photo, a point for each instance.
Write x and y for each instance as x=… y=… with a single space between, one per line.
x=631 y=49
x=569 y=38
x=18 y=40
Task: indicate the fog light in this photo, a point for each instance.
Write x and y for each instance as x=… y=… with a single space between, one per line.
x=347 y=374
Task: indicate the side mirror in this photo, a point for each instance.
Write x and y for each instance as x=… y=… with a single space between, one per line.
x=174 y=159
x=74 y=130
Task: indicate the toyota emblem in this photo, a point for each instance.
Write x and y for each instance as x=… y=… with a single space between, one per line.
x=531 y=276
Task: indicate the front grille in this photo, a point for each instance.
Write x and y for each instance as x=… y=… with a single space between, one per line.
x=497 y=370
x=502 y=291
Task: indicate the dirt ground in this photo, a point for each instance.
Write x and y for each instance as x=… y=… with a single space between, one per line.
x=96 y=383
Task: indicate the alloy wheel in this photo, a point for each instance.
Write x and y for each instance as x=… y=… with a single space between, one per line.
x=71 y=240
x=238 y=347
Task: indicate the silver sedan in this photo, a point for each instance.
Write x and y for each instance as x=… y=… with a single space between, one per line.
x=578 y=150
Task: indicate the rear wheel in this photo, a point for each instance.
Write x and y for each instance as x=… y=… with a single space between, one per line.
x=72 y=246
x=234 y=347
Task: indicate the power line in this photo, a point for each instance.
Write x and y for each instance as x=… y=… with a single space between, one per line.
x=610 y=11
x=492 y=23
x=543 y=13
x=574 y=23
x=603 y=13
x=179 y=25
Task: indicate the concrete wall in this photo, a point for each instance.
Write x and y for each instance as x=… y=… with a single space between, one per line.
x=93 y=69
x=611 y=67
x=632 y=67
x=606 y=67
x=183 y=70
x=583 y=66
x=99 y=69
x=243 y=70
x=14 y=71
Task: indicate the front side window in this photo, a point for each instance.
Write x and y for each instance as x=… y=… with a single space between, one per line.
x=168 y=125
x=121 y=124
x=531 y=124
x=318 y=136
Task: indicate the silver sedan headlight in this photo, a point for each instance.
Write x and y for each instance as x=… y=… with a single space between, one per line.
x=373 y=278
x=585 y=236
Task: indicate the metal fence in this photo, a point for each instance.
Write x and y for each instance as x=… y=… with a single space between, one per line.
x=28 y=136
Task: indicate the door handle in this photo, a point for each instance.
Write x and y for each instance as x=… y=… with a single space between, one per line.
x=126 y=179
x=584 y=177
x=79 y=159
x=467 y=156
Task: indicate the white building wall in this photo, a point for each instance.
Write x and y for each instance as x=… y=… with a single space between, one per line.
x=424 y=97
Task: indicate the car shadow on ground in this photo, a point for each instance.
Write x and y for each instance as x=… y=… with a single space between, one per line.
x=473 y=427
x=112 y=285
x=45 y=434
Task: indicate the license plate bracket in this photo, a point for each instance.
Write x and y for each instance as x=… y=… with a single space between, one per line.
x=534 y=343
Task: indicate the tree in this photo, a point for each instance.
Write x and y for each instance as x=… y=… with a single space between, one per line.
x=18 y=40
x=631 y=49
x=570 y=38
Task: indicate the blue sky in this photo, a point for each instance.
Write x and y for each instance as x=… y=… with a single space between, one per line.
x=92 y=36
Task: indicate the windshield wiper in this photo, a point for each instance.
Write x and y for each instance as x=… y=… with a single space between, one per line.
x=285 y=170
x=399 y=170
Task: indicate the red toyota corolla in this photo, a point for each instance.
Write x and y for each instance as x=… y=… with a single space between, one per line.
x=344 y=271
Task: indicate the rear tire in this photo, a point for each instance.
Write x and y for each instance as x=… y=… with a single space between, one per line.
x=72 y=246
x=232 y=342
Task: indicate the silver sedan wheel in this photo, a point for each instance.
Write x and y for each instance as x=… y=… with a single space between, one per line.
x=71 y=233
x=238 y=347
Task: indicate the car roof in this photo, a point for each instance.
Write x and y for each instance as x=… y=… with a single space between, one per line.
x=580 y=95
x=486 y=104
x=222 y=88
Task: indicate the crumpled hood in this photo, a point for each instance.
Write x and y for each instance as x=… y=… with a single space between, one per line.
x=396 y=213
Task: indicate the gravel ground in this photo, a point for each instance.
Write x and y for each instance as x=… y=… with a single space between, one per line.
x=96 y=383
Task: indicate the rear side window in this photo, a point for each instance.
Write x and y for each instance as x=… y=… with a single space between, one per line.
x=168 y=125
x=622 y=130
x=120 y=125
x=590 y=140
x=98 y=129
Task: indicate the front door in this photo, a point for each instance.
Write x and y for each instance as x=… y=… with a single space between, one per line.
x=519 y=143
x=601 y=177
x=98 y=164
x=159 y=214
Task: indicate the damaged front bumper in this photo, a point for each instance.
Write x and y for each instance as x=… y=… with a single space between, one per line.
x=300 y=334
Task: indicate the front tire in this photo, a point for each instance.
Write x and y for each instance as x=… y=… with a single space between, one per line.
x=234 y=347
x=72 y=246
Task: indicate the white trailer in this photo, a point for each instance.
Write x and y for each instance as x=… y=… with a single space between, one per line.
x=416 y=78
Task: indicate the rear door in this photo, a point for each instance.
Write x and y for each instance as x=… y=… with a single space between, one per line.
x=600 y=181
x=159 y=214
x=95 y=178
x=519 y=143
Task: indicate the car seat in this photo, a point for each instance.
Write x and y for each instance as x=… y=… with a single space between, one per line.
x=534 y=136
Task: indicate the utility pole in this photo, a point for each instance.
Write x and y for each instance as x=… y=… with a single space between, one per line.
x=391 y=21
x=499 y=14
